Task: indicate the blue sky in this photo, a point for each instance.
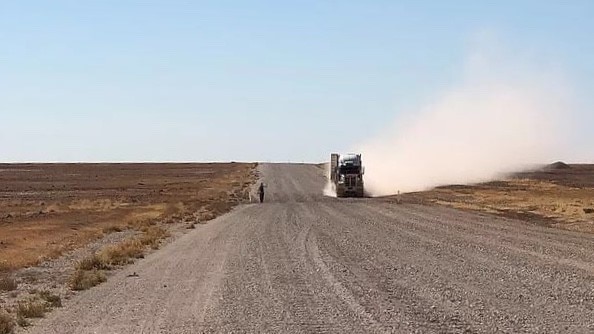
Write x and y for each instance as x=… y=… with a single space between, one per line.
x=250 y=80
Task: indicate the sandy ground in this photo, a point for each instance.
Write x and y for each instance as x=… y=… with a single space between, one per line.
x=302 y=263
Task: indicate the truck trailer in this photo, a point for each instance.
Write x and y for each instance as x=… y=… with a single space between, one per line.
x=346 y=173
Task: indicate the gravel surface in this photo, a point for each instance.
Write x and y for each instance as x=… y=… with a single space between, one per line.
x=303 y=263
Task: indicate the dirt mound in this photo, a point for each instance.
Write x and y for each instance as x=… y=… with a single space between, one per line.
x=557 y=165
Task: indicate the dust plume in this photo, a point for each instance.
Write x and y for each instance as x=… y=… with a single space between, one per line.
x=502 y=117
x=330 y=188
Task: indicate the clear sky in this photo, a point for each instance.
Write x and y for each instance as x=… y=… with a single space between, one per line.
x=249 y=80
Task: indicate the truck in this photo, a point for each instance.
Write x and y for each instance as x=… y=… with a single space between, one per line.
x=346 y=173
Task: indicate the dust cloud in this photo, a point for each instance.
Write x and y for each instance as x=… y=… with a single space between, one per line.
x=330 y=188
x=502 y=117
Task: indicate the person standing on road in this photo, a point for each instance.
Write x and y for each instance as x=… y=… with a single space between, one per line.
x=261 y=191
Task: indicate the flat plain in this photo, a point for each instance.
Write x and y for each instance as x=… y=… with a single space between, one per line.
x=49 y=209
x=558 y=195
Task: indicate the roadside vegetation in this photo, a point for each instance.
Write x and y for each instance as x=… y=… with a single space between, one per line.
x=134 y=206
x=91 y=270
x=86 y=279
x=36 y=305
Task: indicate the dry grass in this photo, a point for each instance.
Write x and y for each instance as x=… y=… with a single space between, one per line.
x=86 y=279
x=8 y=283
x=152 y=236
x=92 y=262
x=560 y=205
x=6 y=323
x=89 y=271
x=49 y=209
x=36 y=307
x=33 y=308
x=128 y=250
x=122 y=253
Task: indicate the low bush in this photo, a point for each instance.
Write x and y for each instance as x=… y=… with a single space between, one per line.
x=31 y=309
x=92 y=262
x=153 y=236
x=122 y=253
x=86 y=279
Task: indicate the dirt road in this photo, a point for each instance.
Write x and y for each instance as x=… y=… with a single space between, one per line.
x=303 y=263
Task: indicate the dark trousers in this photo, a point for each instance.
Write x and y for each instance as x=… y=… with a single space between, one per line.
x=261 y=197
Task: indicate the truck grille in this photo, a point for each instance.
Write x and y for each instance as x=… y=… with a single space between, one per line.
x=351 y=181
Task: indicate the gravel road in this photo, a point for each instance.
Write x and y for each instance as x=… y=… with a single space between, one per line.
x=303 y=263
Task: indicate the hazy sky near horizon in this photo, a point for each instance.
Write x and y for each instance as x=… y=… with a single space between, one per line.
x=255 y=80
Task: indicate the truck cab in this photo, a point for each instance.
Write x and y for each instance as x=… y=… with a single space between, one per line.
x=347 y=174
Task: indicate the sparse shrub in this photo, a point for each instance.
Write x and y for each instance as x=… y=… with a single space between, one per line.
x=8 y=283
x=89 y=271
x=112 y=229
x=122 y=253
x=6 y=323
x=126 y=251
x=152 y=236
x=86 y=279
x=31 y=309
x=92 y=262
x=52 y=299
x=140 y=224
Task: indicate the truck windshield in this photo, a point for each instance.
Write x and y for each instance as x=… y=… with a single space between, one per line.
x=349 y=169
